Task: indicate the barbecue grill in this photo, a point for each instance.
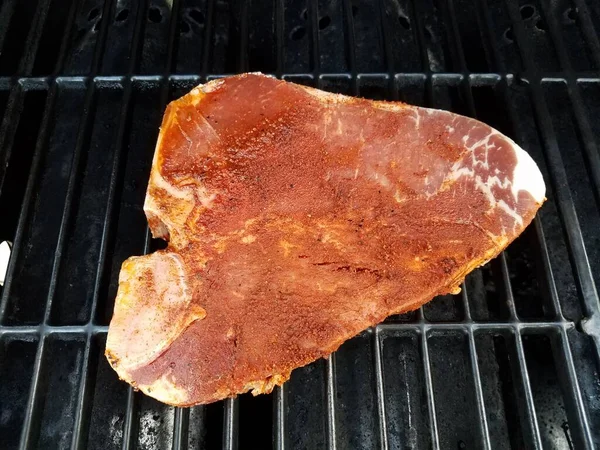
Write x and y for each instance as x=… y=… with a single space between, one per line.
x=511 y=362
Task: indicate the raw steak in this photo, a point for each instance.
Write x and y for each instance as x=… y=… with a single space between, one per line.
x=296 y=219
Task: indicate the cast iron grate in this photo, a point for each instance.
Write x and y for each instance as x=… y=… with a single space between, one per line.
x=512 y=362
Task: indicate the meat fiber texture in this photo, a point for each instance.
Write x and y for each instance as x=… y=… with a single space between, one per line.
x=297 y=218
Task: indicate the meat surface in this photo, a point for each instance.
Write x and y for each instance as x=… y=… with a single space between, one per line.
x=296 y=219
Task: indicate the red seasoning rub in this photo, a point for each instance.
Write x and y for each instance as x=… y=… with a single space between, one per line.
x=296 y=219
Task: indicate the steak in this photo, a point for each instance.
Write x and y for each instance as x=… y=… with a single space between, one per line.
x=297 y=218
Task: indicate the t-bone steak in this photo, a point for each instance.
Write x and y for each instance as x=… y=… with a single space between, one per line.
x=297 y=218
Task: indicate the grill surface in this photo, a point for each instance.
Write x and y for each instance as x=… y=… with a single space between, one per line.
x=512 y=362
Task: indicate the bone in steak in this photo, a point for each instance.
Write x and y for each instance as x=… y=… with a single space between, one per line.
x=296 y=219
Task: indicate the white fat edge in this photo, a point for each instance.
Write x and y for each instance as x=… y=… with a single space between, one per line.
x=527 y=175
x=165 y=390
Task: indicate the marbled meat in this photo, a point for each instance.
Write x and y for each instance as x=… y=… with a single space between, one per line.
x=295 y=219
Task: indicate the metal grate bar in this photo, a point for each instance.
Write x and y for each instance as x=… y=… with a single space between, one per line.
x=210 y=15
x=351 y=44
x=421 y=41
x=181 y=427
x=41 y=143
x=590 y=149
x=433 y=427
x=485 y=431
x=6 y=12
x=419 y=325
x=31 y=422
x=82 y=138
x=279 y=420
x=547 y=267
x=313 y=12
x=243 y=56
x=455 y=36
x=279 y=36
x=8 y=130
x=582 y=435
x=331 y=390
x=230 y=424
x=380 y=389
x=81 y=421
x=64 y=45
x=559 y=180
x=31 y=419
x=82 y=412
x=483 y=422
x=530 y=407
x=33 y=38
x=484 y=14
x=131 y=419
x=420 y=37
x=591 y=36
x=581 y=420
x=387 y=50
x=172 y=45
x=529 y=412
x=41 y=82
x=42 y=330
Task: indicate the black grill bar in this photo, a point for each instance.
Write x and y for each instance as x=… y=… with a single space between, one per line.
x=560 y=182
x=5 y=18
x=591 y=36
x=531 y=427
x=383 y=435
x=83 y=405
x=279 y=37
x=181 y=427
x=575 y=406
x=485 y=432
x=28 y=433
x=351 y=42
x=433 y=427
x=230 y=424
x=331 y=407
x=417 y=326
x=313 y=14
x=39 y=82
x=8 y=129
x=208 y=29
x=131 y=419
x=547 y=268
x=483 y=422
x=243 y=56
x=583 y=435
x=33 y=39
x=387 y=50
x=279 y=427
x=589 y=145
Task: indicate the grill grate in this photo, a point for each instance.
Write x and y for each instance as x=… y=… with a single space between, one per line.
x=511 y=362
